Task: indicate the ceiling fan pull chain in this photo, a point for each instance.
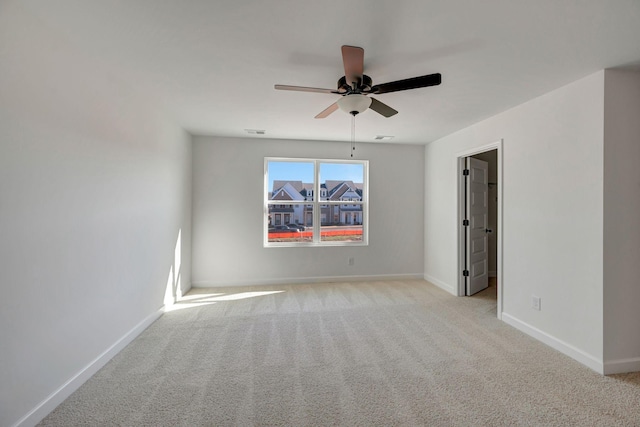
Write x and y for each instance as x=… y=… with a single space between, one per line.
x=353 y=134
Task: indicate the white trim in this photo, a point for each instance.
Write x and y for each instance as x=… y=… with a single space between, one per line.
x=442 y=285
x=555 y=343
x=497 y=145
x=57 y=397
x=304 y=280
x=461 y=291
x=622 y=366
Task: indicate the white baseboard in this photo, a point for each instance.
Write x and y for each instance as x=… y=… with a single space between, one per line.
x=442 y=285
x=57 y=397
x=553 y=342
x=622 y=366
x=303 y=280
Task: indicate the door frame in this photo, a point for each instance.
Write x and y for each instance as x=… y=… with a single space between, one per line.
x=460 y=160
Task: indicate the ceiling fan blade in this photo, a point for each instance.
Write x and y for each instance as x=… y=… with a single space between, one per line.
x=305 y=89
x=330 y=109
x=353 y=59
x=412 y=83
x=382 y=108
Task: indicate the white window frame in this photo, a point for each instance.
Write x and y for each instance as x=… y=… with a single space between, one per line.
x=317 y=203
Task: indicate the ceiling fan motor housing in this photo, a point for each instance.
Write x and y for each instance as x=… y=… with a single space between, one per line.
x=363 y=85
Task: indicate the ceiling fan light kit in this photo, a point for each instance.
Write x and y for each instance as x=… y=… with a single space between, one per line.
x=354 y=87
x=354 y=104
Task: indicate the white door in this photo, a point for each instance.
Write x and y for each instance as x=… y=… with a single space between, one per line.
x=477 y=212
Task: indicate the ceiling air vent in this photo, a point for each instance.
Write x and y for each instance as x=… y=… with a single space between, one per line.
x=255 y=131
x=383 y=138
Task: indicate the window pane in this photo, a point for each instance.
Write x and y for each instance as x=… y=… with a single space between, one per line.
x=290 y=180
x=288 y=232
x=341 y=181
x=342 y=223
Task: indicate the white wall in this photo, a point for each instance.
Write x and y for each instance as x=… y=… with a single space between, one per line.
x=621 y=226
x=94 y=190
x=228 y=214
x=552 y=214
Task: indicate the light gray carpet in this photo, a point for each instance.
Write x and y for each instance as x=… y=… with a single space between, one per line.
x=352 y=354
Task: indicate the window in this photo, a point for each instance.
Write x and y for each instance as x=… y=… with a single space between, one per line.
x=324 y=220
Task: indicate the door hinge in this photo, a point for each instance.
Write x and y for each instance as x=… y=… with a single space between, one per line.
x=465 y=172
x=465 y=222
x=465 y=273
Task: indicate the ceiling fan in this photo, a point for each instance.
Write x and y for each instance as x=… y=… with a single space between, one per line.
x=354 y=87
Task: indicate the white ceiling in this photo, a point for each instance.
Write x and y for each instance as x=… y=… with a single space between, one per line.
x=213 y=63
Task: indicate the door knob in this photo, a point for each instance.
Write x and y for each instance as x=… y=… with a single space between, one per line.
x=486 y=230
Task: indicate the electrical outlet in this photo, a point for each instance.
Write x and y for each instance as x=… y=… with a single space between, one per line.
x=352 y=261
x=535 y=302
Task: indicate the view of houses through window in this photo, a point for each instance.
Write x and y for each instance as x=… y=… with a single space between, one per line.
x=310 y=201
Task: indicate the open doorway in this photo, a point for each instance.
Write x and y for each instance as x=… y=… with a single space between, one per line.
x=479 y=230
